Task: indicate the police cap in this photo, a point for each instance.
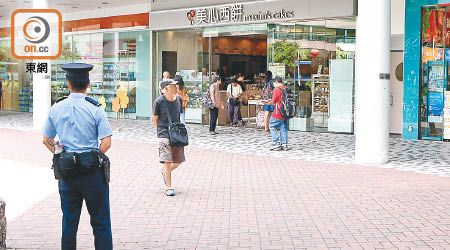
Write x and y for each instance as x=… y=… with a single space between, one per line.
x=77 y=72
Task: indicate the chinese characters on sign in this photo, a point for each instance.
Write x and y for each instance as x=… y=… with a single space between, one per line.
x=217 y=15
x=36 y=67
x=233 y=13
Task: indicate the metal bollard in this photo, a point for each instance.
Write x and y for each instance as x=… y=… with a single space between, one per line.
x=2 y=224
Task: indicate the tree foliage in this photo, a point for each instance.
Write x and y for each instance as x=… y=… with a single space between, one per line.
x=285 y=53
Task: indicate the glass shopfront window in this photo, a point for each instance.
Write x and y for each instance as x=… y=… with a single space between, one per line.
x=434 y=88
x=121 y=68
x=317 y=62
x=182 y=52
x=17 y=88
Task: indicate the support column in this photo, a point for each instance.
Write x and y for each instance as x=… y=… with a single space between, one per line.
x=372 y=86
x=41 y=84
x=152 y=71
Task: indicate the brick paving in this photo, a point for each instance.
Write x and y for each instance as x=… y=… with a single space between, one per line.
x=229 y=200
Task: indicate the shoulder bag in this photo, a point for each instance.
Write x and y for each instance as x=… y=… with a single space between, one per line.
x=178 y=135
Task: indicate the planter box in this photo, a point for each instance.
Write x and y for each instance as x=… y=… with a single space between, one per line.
x=301 y=124
x=194 y=115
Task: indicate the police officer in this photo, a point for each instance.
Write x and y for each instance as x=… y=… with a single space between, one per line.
x=79 y=123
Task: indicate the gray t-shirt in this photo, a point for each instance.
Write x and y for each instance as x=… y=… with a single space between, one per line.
x=174 y=108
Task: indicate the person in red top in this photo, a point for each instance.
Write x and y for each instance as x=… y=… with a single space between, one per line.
x=279 y=142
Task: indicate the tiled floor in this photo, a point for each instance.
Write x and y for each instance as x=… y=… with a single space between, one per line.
x=409 y=155
x=240 y=201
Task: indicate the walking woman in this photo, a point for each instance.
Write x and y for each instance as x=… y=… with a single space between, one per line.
x=181 y=91
x=267 y=95
x=234 y=92
x=214 y=110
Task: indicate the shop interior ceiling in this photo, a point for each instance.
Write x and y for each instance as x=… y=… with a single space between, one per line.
x=65 y=6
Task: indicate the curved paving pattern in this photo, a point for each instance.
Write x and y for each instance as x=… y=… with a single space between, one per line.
x=409 y=155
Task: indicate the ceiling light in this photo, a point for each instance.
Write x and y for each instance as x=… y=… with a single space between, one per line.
x=105 y=3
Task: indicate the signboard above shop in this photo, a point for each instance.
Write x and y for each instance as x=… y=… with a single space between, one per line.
x=233 y=13
x=157 y=5
x=250 y=12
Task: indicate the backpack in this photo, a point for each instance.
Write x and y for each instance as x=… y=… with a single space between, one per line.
x=184 y=97
x=288 y=108
x=267 y=90
x=206 y=100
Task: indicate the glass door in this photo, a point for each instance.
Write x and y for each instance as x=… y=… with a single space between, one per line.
x=433 y=86
x=182 y=52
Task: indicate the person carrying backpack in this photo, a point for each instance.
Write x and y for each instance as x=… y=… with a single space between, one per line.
x=285 y=108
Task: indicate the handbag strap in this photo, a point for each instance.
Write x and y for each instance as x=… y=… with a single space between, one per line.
x=166 y=110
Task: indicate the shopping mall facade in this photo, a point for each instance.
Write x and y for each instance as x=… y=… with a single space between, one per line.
x=130 y=51
x=310 y=43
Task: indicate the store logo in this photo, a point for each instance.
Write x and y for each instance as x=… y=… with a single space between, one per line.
x=190 y=16
x=39 y=36
x=36 y=34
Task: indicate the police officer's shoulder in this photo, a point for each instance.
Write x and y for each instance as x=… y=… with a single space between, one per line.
x=61 y=99
x=59 y=102
x=92 y=101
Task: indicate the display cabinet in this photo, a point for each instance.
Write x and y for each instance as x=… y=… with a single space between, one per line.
x=59 y=84
x=321 y=94
x=194 y=85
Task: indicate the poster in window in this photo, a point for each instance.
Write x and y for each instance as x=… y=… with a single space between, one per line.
x=435 y=106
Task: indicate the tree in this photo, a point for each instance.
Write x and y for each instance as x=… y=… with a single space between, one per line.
x=70 y=53
x=285 y=53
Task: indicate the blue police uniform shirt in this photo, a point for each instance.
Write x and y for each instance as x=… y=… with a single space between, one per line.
x=78 y=124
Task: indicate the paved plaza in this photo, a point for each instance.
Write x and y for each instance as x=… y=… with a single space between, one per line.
x=428 y=157
x=233 y=193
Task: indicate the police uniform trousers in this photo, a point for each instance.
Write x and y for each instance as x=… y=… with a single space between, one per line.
x=93 y=189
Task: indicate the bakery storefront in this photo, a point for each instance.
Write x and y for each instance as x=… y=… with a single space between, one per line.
x=310 y=43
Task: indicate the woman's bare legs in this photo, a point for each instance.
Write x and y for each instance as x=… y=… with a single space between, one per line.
x=266 y=120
